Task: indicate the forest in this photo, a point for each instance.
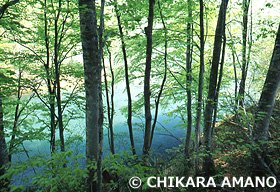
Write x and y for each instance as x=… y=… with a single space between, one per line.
x=139 y=95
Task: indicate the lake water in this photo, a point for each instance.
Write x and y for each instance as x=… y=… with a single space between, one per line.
x=162 y=139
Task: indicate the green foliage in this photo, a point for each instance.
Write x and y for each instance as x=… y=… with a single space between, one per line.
x=59 y=172
x=124 y=166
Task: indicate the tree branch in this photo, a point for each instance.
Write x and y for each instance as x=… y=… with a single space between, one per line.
x=5 y=7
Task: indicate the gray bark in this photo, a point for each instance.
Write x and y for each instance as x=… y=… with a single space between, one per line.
x=147 y=92
x=51 y=88
x=4 y=158
x=57 y=80
x=264 y=111
x=208 y=164
x=218 y=87
x=200 y=87
x=92 y=75
x=164 y=77
x=16 y=117
x=245 y=61
x=189 y=82
x=110 y=106
x=129 y=99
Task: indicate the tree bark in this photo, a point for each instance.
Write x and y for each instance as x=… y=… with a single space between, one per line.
x=218 y=87
x=264 y=111
x=110 y=106
x=200 y=87
x=147 y=92
x=51 y=87
x=164 y=76
x=100 y=106
x=92 y=75
x=245 y=61
x=112 y=102
x=129 y=99
x=5 y=7
x=189 y=81
x=57 y=80
x=14 y=132
x=4 y=158
x=208 y=164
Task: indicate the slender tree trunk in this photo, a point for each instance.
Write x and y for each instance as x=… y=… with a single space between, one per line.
x=14 y=132
x=51 y=89
x=53 y=124
x=109 y=109
x=129 y=99
x=100 y=106
x=164 y=77
x=264 y=111
x=208 y=164
x=218 y=86
x=189 y=81
x=147 y=91
x=92 y=72
x=245 y=62
x=4 y=158
x=57 y=80
x=112 y=100
x=200 y=87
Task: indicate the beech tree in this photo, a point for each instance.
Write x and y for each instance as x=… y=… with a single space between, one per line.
x=92 y=54
x=189 y=79
x=208 y=164
x=4 y=158
x=200 y=86
x=127 y=82
x=261 y=163
x=245 y=54
x=147 y=91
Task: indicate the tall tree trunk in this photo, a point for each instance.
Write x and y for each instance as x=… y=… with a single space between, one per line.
x=245 y=62
x=4 y=158
x=129 y=99
x=218 y=86
x=147 y=91
x=208 y=164
x=110 y=106
x=14 y=131
x=164 y=76
x=53 y=118
x=51 y=89
x=100 y=106
x=264 y=111
x=200 y=86
x=189 y=81
x=92 y=72
x=57 y=80
x=112 y=102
